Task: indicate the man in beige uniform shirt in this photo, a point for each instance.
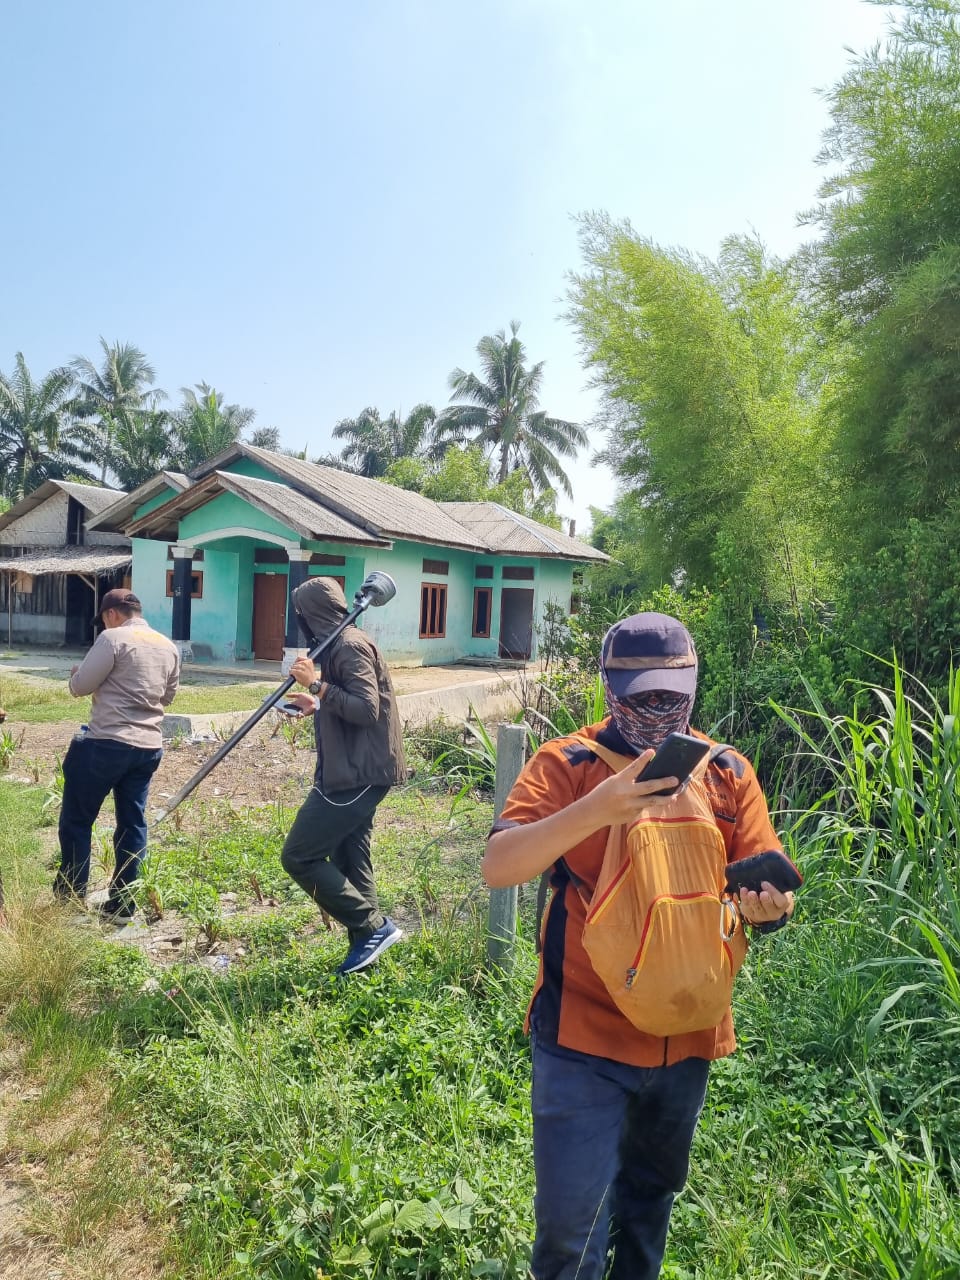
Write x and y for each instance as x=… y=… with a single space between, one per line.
x=132 y=672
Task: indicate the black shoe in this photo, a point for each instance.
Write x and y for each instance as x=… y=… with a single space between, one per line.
x=115 y=912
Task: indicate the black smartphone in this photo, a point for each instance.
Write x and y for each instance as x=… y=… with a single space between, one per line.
x=677 y=757
x=290 y=709
x=772 y=866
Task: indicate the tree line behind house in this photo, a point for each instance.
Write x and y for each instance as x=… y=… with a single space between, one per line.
x=109 y=422
x=785 y=432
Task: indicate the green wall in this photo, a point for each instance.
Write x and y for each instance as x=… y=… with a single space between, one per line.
x=148 y=580
x=230 y=512
x=396 y=627
x=222 y=618
x=157 y=501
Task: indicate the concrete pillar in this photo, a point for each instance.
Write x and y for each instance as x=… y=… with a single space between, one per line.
x=502 y=912
x=182 y=571
x=294 y=647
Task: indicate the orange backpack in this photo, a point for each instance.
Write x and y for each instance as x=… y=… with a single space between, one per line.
x=660 y=931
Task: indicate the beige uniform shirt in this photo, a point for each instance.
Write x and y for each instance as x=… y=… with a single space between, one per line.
x=132 y=672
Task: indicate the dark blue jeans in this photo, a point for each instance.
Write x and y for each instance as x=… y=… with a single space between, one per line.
x=611 y=1148
x=92 y=768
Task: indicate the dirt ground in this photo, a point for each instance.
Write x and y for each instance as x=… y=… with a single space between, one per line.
x=267 y=765
x=270 y=764
x=262 y=767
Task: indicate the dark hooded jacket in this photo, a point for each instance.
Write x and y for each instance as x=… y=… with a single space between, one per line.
x=359 y=740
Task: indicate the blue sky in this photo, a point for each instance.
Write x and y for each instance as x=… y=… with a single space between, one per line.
x=317 y=207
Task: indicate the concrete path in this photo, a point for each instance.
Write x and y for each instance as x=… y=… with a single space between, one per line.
x=424 y=693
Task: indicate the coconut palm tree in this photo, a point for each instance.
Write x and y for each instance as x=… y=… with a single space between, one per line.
x=375 y=442
x=265 y=438
x=139 y=447
x=498 y=411
x=38 y=439
x=204 y=425
x=115 y=399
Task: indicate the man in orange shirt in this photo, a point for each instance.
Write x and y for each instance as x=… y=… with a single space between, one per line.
x=614 y=1108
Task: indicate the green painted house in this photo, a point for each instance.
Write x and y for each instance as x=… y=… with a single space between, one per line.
x=216 y=555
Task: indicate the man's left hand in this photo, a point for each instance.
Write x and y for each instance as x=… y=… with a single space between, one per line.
x=305 y=701
x=767 y=905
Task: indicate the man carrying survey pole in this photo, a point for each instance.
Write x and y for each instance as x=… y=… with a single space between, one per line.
x=359 y=758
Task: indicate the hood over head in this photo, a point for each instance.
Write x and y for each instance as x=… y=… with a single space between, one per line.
x=320 y=605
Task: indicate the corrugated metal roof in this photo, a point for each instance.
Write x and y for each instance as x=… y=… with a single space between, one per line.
x=300 y=514
x=381 y=508
x=315 y=497
x=90 y=496
x=119 y=512
x=67 y=560
x=291 y=508
x=508 y=533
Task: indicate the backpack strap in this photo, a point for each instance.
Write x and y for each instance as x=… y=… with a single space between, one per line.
x=709 y=758
x=616 y=762
x=562 y=871
x=613 y=759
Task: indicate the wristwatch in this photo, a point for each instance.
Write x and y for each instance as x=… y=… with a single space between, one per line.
x=315 y=686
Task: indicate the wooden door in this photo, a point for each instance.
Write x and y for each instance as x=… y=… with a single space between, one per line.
x=269 y=615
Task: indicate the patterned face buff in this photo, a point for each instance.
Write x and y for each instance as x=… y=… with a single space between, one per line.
x=644 y=719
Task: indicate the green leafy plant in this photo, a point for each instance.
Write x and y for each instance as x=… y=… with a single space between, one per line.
x=53 y=797
x=9 y=746
x=298 y=733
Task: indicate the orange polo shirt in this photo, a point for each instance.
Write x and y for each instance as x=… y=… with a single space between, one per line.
x=573 y=1007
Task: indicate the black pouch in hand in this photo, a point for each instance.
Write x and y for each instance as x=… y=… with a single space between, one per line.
x=749 y=873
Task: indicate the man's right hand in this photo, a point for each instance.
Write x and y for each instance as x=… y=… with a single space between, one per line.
x=517 y=854
x=621 y=798
x=304 y=671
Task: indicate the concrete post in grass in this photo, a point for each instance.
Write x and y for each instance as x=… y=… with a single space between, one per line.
x=502 y=916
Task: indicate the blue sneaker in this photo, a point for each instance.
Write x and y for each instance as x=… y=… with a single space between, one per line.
x=371 y=949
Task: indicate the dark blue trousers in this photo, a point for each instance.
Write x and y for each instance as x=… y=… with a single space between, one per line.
x=611 y=1147
x=92 y=768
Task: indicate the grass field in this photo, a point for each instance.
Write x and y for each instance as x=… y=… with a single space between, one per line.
x=278 y=1123
x=35 y=701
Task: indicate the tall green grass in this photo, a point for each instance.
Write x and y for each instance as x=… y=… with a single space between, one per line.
x=379 y=1128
